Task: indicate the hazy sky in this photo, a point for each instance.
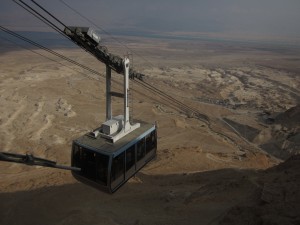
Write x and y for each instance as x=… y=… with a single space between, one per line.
x=274 y=18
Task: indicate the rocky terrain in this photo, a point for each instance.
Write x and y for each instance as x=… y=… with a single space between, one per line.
x=238 y=167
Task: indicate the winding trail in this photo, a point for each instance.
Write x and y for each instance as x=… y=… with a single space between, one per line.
x=9 y=136
x=48 y=123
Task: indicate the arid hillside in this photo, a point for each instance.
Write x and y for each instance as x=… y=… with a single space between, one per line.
x=228 y=169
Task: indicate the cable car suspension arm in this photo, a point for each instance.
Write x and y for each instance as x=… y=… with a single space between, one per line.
x=30 y=160
x=88 y=39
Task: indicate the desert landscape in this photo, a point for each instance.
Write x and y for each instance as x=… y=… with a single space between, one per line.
x=239 y=166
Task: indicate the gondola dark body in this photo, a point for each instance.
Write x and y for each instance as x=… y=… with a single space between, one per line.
x=107 y=166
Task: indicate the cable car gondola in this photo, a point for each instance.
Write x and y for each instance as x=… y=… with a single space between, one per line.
x=107 y=166
x=118 y=149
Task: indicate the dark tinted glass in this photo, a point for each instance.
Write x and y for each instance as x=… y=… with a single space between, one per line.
x=130 y=157
x=118 y=167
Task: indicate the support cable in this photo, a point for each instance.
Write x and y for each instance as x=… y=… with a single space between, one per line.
x=106 y=32
x=46 y=11
x=154 y=89
x=150 y=87
x=36 y=14
x=40 y=17
x=46 y=57
x=185 y=108
x=50 y=51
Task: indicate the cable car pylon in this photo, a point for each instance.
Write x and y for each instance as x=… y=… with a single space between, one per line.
x=119 y=123
x=118 y=149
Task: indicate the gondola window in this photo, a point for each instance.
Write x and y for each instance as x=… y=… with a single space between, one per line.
x=140 y=149
x=118 y=167
x=130 y=157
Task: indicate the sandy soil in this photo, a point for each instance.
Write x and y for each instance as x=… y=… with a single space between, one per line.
x=203 y=174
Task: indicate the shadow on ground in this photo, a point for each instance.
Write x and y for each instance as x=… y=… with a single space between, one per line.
x=214 y=197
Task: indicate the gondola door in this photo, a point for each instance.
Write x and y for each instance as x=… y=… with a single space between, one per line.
x=130 y=162
x=117 y=170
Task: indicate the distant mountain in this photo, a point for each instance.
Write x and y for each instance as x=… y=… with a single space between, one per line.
x=47 y=39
